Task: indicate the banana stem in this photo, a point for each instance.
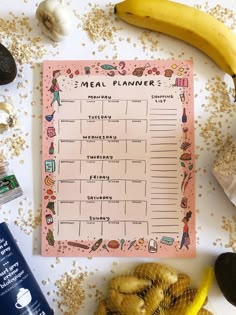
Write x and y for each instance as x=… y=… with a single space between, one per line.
x=234 y=79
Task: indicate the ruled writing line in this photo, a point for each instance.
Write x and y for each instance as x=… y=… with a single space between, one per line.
x=167 y=188
x=164 y=193
x=163 y=164
x=164 y=199
x=165 y=218
x=164 y=143
x=163 y=157
x=163 y=170
x=163 y=151
x=164 y=211
x=163 y=109
x=156 y=225
x=164 y=232
x=164 y=176
x=164 y=137
x=164 y=183
x=163 y=115
x=166 y=130
x=162 y=124
x=163 y=204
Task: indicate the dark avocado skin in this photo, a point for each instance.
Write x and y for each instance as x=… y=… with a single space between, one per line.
x=8 y=69
x=225 y=272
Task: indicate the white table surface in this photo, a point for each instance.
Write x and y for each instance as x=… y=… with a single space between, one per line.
x=211 y=202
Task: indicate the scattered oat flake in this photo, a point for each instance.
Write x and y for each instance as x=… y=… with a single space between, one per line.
x=219 y=113
x=225 y=164
x=17 y=34
x=58 y=260
x=28 y=221
x=70 y=292
x=149 y=40
x=100 y=24
x=229 y=225
x=224 y=15
x=11 y=147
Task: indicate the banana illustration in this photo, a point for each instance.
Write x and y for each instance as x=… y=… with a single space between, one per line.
x=49 y=181
x=189 y=24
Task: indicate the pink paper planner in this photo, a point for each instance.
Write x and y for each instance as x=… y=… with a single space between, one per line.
x=118 y=158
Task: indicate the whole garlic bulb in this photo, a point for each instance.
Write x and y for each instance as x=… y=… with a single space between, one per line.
x=8 y=118
x=54 y=19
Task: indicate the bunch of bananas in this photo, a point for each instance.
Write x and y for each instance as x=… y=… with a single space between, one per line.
x=189 y=24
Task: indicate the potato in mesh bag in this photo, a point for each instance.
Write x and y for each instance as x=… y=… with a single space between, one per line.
x=151 y=289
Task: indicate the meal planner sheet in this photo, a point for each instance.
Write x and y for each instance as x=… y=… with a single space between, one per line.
x=118 y=158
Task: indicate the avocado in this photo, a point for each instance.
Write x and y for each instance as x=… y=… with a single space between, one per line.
x=225 y=272
x=8 y=69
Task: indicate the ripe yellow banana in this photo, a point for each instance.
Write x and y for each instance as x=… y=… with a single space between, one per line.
x=187 y=23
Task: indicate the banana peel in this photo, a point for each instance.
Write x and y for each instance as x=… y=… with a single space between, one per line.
x=202 y=294
x=189 y=24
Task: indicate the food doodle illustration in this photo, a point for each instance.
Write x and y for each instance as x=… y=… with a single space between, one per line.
x=186 y=177
x=51 y=206
x=122 y=70
x=154 y=71
x=87 y=70
x=51 y=149
x=49 y=219
x=184 y=116
x=50 y=117
x=131 y=244
x=185 y=145
x=78 y=245
x=122 y=242
x=96 y=245
x=184 y=202
x=167 y=240
x=113 y=244
x=111 y=73
x=152 y=246
x=49 y=181
x=187 y=180
x=140 y=70
x=118 y=158
x=51 y=132
x=182 y=97
x=183 y=82
x=186 y=157
x=50 y=166
x=50 y=238
x=108 y=67
x=185 y=130
x=104 y=246
x=168 y=73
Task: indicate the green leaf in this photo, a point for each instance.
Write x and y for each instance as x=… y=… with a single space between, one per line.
x=182 y=164
x=190 y=167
